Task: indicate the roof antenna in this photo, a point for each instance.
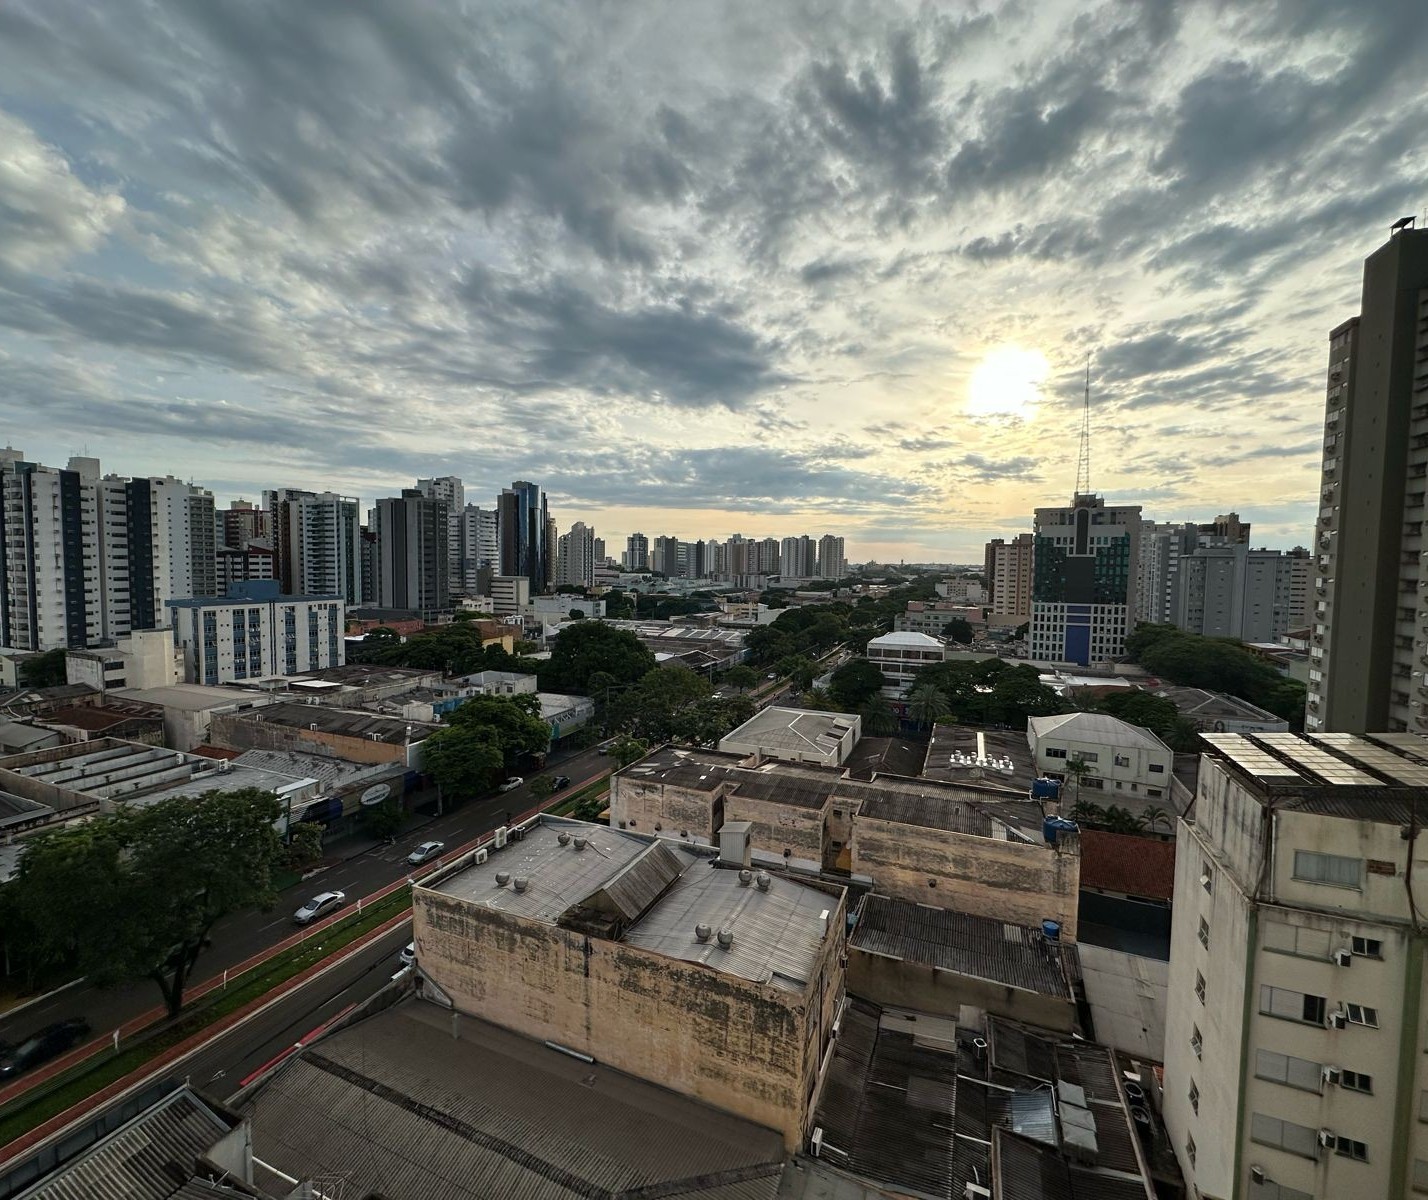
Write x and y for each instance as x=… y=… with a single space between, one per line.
x=1083 y=464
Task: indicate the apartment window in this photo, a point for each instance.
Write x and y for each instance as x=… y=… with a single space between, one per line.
x=1367 y=947
x=1157 y=768
x=1301 y=1073
x=1055 y=752
x=1269 y=1190
x=1194 y=1097
x=1096 y=785
x=1356 y=1081
x=1089 y=756
x=1348 y=1148
x=1207 y=877
x=1333 y=869
x=1291 y=1005
x=1300 y=940
x=1361 y=1014
x=1122 y=760
x=1154 y=793
x=1197 y=1042
x=1190 y=1150
x=1420 y=1175
x=1284 y=1135
x=1200 y=987
x=1204 y=933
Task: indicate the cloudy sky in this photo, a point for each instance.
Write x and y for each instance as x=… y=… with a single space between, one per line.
x=699 y=268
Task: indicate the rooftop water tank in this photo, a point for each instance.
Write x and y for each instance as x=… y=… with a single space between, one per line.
x=1051 y=930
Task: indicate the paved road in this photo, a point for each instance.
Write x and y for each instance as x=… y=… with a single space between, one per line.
x=243 y=935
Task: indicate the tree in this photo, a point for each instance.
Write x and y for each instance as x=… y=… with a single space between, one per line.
x=577 y=614
x=135 y=894
x=304 y=845
x=464 y=760
x=583 y=648
x=1017 y=694
x=1152 y=817
x=1022 y=632
x=1087 y=812
x=706 y=721
x=1077 y=768
x=383 y=820
x=42 y=670
x=625 y=750
x=741 y=677
x=651 y=709
x=1155 y=713
x=1122 y=820
x=542 y=787
x=925 y=704
x=958 y=630
x=513 y=721
x=877 y=720
x=855 y=683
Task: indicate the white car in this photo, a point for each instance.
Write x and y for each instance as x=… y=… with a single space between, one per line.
x=408 y=954
x=319 y=906
x=425 y=853
x=512 y=783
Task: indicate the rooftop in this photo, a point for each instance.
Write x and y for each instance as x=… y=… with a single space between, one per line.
x=17 y=735
x=1098 y=728
x=541 y=1126
x=95 y=717
x=922 y=641
x=653 y=893
x=1014 y=955
x=797 y=730
x=194 y=697
x=360 y=675
x=345 y=723
x=1200 y=705
x=997 y=758
x=1125 y=863
x=331 y=774
x=884 y=756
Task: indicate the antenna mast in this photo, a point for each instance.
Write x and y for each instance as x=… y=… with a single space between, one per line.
x=1083 y=464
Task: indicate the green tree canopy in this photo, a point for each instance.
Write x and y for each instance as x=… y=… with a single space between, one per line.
x=42 y=670
x=855 y=683
x=741 y=677
x=925 y=704
x=514 y=722
x=464 y=760
x=585 y=647
x=625 y=750
x=135 y=894
x=958 y=630
x=1155 y=713
x=651 y=709
x=877 y=719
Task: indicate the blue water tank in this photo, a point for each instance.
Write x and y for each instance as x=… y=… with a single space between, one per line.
x=1051 y=930
x=1046 y=789
x=1053 y=827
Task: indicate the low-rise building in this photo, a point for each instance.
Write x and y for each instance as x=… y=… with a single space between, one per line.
x=352 y=685
x=500 y=683
x=565 y=714
x=1215 y=712
x=563 y=606
x=900 y=656
x=510 y=594
x=724 y=646
x=255 y=632
x=647 y=956
x=933 y=618
x=361 y=737
x=1126 y=765
x=993 y=758
x=142 y=659
x=189 y=708
x=796 y=735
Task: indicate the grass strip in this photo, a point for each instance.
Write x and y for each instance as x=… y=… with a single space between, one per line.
x=88 y=1077
x=569 y=804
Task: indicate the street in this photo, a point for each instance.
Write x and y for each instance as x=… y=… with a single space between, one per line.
x=243 y=935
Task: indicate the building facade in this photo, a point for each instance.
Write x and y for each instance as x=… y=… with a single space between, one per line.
x=1007 y=568
x=798 y=557
x=1126 y=764
x=317 y=541
x=255 y=632
x=523 y=521
x=412 y=553
x=1370 y=623
x=449 y=490
x=832 y=561
x=576 y=556
x=1295 y=1063
x=1084 y=580
x=900 y=656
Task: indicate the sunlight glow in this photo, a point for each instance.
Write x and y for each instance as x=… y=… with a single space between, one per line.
x=1007 y=382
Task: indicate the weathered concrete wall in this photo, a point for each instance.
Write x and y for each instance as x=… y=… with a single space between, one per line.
x=737 y=1045
x=1012 y=881
x=781 y=827
x=642 y=804
x=891 y=981
x=239 y=732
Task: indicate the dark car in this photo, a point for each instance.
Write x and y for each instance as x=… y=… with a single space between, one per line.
x=50 y=1042
x=562 y=781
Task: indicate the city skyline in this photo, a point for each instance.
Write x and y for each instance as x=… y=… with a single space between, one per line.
x=844 y=265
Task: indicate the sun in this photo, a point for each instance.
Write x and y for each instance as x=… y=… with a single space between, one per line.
x=1007 y=382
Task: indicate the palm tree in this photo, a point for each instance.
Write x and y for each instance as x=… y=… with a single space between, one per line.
x=1077 y=768
x=1122 y=820
x=1087 y=813
x=877 y=720
x=927 y=703
x=1153 y=816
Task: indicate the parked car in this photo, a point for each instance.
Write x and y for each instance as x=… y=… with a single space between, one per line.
x=561 y=781
x=50 y=1042
x=408 y=955
x=425 y=853
x=512 y=783
x=319 y=906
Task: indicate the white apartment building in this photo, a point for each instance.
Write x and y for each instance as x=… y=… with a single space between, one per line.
x=575 y=556
x=832 y=560
x=1084 y=581
x=317 y=540
x=798 y=558
x=561 y=606
x=510 y=594
x=900 y=656
x=969 y=591
x=1297 y=1022
x=933 y=618
x=1128 y=764
x=480 y=547
x=172 y=522
x=1007 y=568
x=256 y=633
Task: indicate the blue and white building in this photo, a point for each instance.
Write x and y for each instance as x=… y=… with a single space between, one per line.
x=255 y=632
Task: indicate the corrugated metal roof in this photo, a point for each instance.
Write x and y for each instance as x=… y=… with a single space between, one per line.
x=777 y=933
x=396 y=1105
x=150 y=1158
x=639 y=883
x=966 y=944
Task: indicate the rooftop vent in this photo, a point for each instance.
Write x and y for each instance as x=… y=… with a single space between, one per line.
x=762 y=879
x=726 y=937
x=520 y=883
x=579 y=843
x=745 y=877
x=502 y=878
x=702 y=932
x=563 y=838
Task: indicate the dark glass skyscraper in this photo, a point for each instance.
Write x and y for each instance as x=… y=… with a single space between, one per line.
x=523 y=521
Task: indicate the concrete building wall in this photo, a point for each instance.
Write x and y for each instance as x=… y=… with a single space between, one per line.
x=741 y=1046
x=232 y=731
x=796 y=832
x=641 y=805
x=1014 y=881
x=897 y=983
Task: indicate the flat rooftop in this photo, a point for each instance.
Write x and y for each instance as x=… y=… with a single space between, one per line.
x=388 y=1106
x=660 y=631
x=653 y=893
x=797 y=730
x=360 y=675
x=330 y=773
x=979 y=947
x=998 y=758
x=194 y=697
x=1200 y=705
x=345 y=722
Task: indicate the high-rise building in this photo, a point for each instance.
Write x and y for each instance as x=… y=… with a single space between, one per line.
x=770 y=556
x=238 y=564
x=637 y=553
x=798 y=558
x=317 y=541
x=242 y=522
x=523 y=523
x=1296 y=1023
x=664 y=556
x=449 y=490
x=832 y=564
x=1084 y=580
x=691 y=560
x=1299 y=565
x=552 y=541
x=253 y=632
x=1007 y=568
x=172 y=550
x=480 y=547
x=1233 y=591
x=1370 y=626
x=576 y=556
x=412 y=553
x=600 y=552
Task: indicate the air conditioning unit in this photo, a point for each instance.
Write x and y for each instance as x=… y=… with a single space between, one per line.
x=1338 y=1019
x=481 y=855
x=1342 y=958
x=501 y=838
x=1326 y=1137
x=1256 y=1173
x=815 y=1143
x=1330 y=1074
x=975 y=1191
